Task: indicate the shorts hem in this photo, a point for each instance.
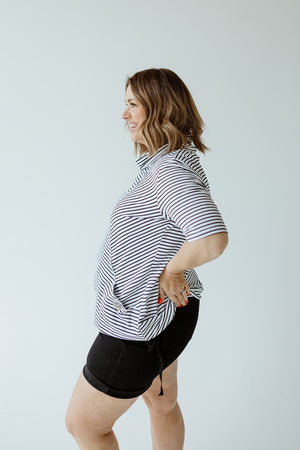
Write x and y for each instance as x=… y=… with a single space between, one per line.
x=101 y=386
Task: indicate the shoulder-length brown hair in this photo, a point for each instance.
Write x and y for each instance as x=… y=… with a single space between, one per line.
x=171 y=114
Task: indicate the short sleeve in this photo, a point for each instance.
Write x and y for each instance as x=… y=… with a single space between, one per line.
x=183 y=198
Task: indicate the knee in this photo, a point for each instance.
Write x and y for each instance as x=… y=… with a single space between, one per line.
x=70 y=423
x=160 y=404
x=81 y=428
x=78 y=425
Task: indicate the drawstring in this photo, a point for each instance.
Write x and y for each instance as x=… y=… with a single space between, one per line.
x=151 y=346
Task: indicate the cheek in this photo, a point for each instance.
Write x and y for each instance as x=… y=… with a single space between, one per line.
x=141 y=116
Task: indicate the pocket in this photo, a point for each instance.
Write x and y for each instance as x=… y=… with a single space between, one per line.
x=115 y=370
x=135 y=367
x=103 y=355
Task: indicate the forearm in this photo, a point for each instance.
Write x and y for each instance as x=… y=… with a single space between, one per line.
x=196 y=253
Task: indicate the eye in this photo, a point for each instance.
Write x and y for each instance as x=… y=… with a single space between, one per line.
x=131 y=104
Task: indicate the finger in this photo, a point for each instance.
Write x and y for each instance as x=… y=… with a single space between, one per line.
x=161 y=296
x=183 y=297
x=187 y=294
x=175 y=299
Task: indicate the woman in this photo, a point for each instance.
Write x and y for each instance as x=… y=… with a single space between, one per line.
x=147 y=290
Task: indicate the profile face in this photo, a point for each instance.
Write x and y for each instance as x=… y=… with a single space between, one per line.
x=134 y=115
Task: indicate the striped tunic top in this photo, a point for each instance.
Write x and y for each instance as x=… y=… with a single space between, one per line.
x=168 y=203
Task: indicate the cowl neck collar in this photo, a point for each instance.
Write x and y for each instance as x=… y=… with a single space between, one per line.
x=144 y=161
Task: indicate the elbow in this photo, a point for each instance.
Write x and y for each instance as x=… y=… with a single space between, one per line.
x=224 y=242
x=209 y=247
x=220 y=242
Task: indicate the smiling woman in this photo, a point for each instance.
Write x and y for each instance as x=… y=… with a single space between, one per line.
x=147 y=290
x=134 y=115
x=162 y=107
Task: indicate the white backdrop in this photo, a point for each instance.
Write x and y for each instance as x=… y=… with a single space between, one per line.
x=66 y=158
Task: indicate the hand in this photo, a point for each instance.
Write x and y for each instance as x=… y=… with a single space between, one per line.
x=172 y=285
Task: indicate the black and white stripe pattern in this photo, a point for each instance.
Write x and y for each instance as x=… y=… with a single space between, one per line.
x=168 y=203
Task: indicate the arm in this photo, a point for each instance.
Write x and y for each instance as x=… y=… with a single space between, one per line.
x=183 y=199
x=198 y=252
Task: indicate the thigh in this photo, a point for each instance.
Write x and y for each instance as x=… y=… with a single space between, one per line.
x=94 y=409
x=172 y=341
x=125 y=368
x=168 y=400
x=175 y=338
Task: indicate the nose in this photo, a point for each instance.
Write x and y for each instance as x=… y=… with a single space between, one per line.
x=125 y=114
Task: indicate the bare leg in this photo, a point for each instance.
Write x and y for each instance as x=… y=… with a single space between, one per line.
x=100 y=442
x=91 y=415
x=167 y=424
x=167 y=429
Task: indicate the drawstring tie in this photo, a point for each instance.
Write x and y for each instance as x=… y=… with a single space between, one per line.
x=153 y=344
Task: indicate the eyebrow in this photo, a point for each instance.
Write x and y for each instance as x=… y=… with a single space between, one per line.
x=129 y=100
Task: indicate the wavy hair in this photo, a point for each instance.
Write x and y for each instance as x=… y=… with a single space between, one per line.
x=171 y=114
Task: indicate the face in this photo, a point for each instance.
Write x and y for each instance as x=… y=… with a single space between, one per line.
x=134 y=115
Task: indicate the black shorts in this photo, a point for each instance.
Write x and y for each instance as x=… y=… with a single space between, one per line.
x=125 y=369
